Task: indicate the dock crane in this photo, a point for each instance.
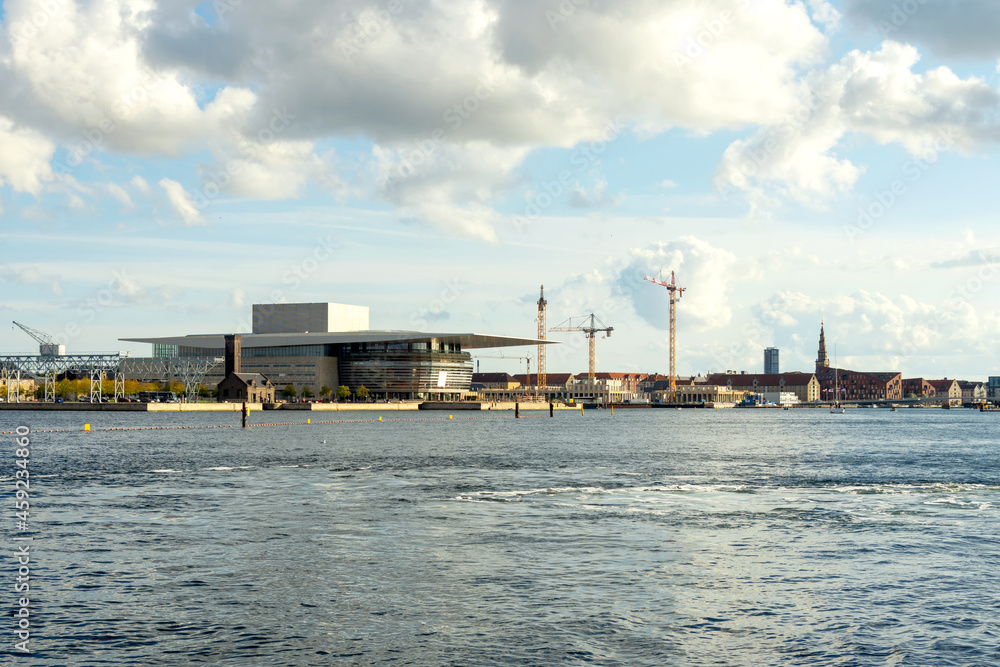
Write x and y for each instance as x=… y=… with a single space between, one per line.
x=675 y=294
x=47 y=346
x=589 y=327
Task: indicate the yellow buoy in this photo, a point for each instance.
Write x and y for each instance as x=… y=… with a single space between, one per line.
x=86 y=427
x=380 y=418
x=309 y=421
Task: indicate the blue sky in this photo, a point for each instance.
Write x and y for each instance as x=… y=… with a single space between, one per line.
x=162 y=168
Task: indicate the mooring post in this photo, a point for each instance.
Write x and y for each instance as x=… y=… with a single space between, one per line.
x=244 y=414
x=552 y=409
x=517 y=410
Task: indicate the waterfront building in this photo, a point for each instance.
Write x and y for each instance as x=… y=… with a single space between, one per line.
x=805 y=386
x=993 y=388
x=239 y=387
x=972 y=392
x=495 y=380
x=246 y=388
x=860 y=385
x=701 y=394
x=948 y=391
x=390 y=364
x=919 y=388
x=771 y=365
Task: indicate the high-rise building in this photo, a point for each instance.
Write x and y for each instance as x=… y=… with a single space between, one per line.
x=771 y=366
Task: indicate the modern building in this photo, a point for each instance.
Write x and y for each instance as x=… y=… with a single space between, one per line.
x=993 y=388
x=330 y=349
x=771 y=365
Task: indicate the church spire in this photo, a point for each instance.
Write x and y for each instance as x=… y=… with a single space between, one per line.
x=822 y=361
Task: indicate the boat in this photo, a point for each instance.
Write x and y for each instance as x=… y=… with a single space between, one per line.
x=836 y=408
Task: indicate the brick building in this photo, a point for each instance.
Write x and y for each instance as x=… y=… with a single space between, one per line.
x=805 y=386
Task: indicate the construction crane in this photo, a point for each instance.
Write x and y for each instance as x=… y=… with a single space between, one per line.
x=590 y=328
x=675 y=294
x=542 y=303
x=47 y=346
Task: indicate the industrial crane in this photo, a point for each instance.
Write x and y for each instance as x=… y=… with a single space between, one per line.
x=591 y=330
x=542 y=303
x=47 y=346
x=675 y=294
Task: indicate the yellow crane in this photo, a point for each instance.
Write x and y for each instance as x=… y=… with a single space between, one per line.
x=675 y=294
x=590 y=328
x=542 y=303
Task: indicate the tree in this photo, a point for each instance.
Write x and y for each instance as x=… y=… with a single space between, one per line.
x=288 y=391
x=324 y=392
x=362 y=392
x=307 y=392
x=343 y=392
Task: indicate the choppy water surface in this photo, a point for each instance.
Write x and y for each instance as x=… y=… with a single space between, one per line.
x=644 y=538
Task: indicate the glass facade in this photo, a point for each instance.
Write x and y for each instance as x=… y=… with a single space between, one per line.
x=771 y=365
x=406 y=373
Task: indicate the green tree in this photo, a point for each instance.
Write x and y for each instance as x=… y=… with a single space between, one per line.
x=307 y=392
x=324 y=392
x=343 y=392
x=288 y=391
x=362 y=392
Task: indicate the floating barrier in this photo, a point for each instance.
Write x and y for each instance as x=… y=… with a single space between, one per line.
x=309 y=422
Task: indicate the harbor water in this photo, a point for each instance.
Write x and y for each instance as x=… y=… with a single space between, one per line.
x=647 y=537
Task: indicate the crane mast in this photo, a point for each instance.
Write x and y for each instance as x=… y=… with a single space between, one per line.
x=590 y=328
x=675 y=294
x=542 y=377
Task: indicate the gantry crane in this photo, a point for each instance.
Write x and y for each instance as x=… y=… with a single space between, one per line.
x=47 y=346
x=591 y=330
x=675 y=294
x=542 y=303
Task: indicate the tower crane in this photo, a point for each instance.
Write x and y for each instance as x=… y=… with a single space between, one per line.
x=589 y=327
x=675 y=294
x=542 y=303
x=47 y=346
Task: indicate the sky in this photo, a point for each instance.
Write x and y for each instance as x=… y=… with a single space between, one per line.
x=164 y=165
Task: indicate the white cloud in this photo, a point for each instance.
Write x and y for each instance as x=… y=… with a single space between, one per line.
x=140 y=184
x=707 y=273
x=874 y=93
x=24 y=157
x=119 y=193
x=181 y=202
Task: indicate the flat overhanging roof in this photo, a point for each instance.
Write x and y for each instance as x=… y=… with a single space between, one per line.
x=467 y=341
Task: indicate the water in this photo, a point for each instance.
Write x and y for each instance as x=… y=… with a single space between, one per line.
x=644 y=538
